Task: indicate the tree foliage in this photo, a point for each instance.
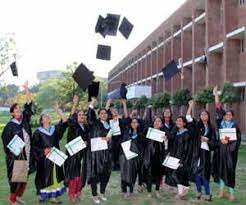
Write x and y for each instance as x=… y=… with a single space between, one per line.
x=181 y=97
x=230 y=94
x=205 y=96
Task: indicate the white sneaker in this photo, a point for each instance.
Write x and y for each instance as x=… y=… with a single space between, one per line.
x=157 y=194
x=96 y=200
x=103 y=197
x=20 y=201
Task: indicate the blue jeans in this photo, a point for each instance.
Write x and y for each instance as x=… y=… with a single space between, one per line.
x=202 y=181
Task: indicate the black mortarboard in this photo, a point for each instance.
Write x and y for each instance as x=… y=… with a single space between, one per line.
x=93 y=90
x=101 y=26
x=112 y=23
x=123 y=90
x=170 y=70
x=83 y=76
x=126 y=27
x=119 y=93
x=14 y=69
x=103 y=52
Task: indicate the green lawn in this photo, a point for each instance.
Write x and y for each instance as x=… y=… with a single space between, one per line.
x=113 y=190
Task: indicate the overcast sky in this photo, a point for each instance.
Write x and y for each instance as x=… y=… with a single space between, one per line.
x=53 y=33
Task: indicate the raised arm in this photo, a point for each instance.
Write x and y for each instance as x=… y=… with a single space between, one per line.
x=28 y=111
x=91 y=111
x=109 y=101
x=124 y=104
x=220 y=112
x=27 y=93
x=60 y=113
x=75 y=103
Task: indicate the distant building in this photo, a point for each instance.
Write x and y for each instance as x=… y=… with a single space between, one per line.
x=46 y=75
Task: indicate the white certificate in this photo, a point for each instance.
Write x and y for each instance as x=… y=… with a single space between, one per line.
x=115 y=127
x=75 y=145
x=171 y=162
x=204 y=145
x=98 y=144
x=126 y=149
x=16 y=145
x=156 y=135
x=228 y=133
x=57 y=156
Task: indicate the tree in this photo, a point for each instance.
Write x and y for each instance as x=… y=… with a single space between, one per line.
x=205 y=96
x=49 y=92
x=181 y=97
x=161 y=100
x=230 y=94
x=141 y=103
x=7 y=51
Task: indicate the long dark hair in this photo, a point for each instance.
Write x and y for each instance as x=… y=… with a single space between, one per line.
x=130 y=127
x=12 y=108
x=184 y=120
x=200 y=123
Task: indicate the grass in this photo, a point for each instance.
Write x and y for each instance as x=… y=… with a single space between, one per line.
x=113 y=189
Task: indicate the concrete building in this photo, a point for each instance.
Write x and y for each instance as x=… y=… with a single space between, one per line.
x=46 y=75
x=212 y=28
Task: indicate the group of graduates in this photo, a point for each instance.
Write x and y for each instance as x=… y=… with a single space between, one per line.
x=182 y=140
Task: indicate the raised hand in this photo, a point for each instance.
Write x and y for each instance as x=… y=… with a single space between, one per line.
x=215 y=90
x=75 y=99
x=25 y=86
x=191 y=103
x=56 y=106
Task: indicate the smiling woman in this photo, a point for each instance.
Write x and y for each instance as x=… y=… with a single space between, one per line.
x=19 y=126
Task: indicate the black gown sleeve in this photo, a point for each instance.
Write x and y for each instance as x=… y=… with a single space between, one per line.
x=28 y=112
x=38 y=150
x=6 y=138
x=92 y=118
x=60 y=129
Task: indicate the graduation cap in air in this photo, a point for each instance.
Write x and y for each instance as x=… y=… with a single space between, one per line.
x=119 y=93
x=170 y=70
x=126 y=27
x=93 y=90
x=103 y=52
x=14 y=69
x=108 y=25
x=101 y=26
x=83 y=76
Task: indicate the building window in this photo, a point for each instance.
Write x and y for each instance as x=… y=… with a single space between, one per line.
x=241 y=2
x=242 y=94
x=242 y=46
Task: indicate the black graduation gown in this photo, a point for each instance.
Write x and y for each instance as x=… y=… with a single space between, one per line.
x=98 y=162
x=10 y=130
x=225 y=157
x=153 y=154
x=116 y=140
x=129 y=168
x=201 y=159
x=181 y=149
x=41 y=140
x=72 y=165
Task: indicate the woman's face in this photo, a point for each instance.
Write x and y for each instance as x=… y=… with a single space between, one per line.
x=158 y=123
x=81 y=117
x=103 y=115
x=167 y=113
x=228 y=116
x=134 y=124
x=204 y=116
x=46 y=119
x=180 y=123
x=17 y=112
